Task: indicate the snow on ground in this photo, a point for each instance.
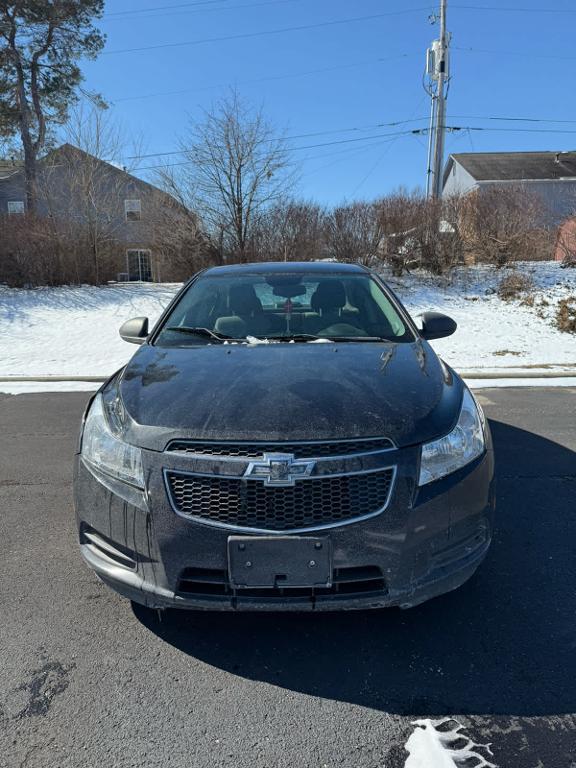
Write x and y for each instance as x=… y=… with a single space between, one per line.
x=28 y=387
x=442 y=744
x=494 y=334
x=74 y=331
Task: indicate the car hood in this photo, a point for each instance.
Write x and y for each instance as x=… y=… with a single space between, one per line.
x=288 y=392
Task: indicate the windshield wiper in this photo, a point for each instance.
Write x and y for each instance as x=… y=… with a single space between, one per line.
x=205 y=332
x=312 y=337
x=296 y=337
x=357 y=338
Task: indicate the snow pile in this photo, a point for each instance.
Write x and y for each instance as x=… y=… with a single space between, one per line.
x=441 y=744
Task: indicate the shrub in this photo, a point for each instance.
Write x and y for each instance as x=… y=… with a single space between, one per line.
x=566 y=315
x=514 y=285
x=505 y=224
x=43 y=251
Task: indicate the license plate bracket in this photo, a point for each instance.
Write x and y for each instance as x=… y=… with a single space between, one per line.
x=268 y=562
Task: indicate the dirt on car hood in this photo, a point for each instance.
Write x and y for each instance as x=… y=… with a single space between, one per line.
x=288 y=392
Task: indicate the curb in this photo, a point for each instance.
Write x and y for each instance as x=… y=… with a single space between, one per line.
x=545 y=374
x=55 y=379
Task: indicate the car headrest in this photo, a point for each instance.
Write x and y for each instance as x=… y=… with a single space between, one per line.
x=243 y=301
x=234 y=327
x=329 y=294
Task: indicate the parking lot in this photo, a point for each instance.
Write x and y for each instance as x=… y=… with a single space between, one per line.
x=88 y=680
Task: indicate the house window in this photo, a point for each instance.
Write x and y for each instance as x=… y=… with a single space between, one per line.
x=139 y=265
x=133 y=210
x=15 y=206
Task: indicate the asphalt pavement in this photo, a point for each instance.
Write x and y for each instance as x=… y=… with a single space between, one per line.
x=89 y=681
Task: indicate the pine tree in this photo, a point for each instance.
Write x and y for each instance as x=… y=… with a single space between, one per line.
x=41 y=42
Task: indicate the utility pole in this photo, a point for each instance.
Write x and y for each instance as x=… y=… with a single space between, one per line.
x=438 y=71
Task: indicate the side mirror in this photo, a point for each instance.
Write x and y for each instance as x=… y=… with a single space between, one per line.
x=135 y=331
x=435 y=325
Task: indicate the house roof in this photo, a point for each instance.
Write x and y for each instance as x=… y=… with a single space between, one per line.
x=515 y=166
x=69 y=151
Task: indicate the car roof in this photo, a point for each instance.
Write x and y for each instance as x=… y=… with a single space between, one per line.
x=267 y=267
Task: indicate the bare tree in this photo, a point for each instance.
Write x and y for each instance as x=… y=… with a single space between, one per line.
x=354 y=232
x=398 y=216
x=290 y=230
x=237 y=166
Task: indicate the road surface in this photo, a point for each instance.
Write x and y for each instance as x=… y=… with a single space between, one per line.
x=88 y=681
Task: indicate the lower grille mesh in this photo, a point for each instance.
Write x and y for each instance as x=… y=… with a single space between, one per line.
x=308 y=504
x=205 y=582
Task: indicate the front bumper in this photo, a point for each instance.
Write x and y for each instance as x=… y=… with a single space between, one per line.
x=427 y=542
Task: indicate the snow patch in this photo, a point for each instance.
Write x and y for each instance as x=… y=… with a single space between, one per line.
x=532 y=382
x=492 y=332
x=30 y=387
x=431 y=747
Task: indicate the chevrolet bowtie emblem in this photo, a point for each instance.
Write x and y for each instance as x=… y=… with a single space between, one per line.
x=279 y=469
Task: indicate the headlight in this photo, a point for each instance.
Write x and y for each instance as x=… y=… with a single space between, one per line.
x=464 y=444
x=108 y=453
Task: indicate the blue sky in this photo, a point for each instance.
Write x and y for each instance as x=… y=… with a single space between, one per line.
x=356 y=75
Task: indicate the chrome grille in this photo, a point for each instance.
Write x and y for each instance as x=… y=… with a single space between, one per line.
x=248 y=504
x=308 y=450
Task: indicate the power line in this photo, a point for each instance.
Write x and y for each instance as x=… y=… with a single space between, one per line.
x=523 y=54
x=396 y=123
x=307 y=146
x=165 y=8
x=385 y=152
x=387 y=136
x=349 y=152
x=513 y=119
x=266 y=78
x=301 y=136
x=455 y=128
x=251 y=35
x=511 y=9
x=203 y=7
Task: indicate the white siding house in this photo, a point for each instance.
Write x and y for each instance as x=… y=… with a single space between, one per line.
x=549 y=175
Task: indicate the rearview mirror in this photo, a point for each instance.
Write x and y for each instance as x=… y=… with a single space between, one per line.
x=435 y=325
x=135 y=331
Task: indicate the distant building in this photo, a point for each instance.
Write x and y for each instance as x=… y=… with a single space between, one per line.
x=551 y=176
x=100 y=197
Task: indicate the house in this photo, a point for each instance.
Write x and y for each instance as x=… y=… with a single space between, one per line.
x=124 y=217
x=550 y=176
x=11 y=197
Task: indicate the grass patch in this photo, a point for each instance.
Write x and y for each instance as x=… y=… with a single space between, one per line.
x=514 y=285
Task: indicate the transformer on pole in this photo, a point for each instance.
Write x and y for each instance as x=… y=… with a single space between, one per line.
x=438 y=73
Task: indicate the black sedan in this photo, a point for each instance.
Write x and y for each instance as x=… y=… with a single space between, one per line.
x=285 y=438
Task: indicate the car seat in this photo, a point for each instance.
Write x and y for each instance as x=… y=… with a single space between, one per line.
x=328 y=302
x=247 y=316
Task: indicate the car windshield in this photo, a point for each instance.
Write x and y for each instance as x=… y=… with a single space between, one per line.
x=283 y=307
